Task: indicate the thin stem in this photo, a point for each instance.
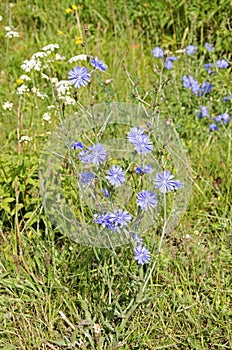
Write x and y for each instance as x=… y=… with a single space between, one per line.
x=165 y=223
x=19 y=126
x=143 y=285
x=78 y=23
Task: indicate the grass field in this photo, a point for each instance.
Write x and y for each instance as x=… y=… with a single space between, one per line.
x=56 y=293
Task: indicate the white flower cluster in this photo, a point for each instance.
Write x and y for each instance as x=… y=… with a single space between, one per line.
x=21 y=90
x=54 y=81
x=59 y=57
x=69 y=100
x=42 y=95
x=50 y=47
x=25 y=138
x=39 y=54
x=25 y=77
x=63 y=88
x=7 y=106
x=38 y=93
x=31 y=64
x=35 y=63
x=51 y=107
x=78 y=58
x=47 y=117
x=12 y=34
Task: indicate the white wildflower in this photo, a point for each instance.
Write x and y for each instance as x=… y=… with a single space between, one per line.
x=45 y=76
x=63 y=88
x=7 y=28
x=25 y=77
x=33 y=63
x=42 y=95
x=51 y=107
x=50 y=47
x=46 y=117
x=108 y=81
x=7 y=106
x=21 y=90
x=39 y=54
x=69 y=100
x=54 y=80
x=59 y=57
x=1 y=18
x=25 y=138
x=78 y=58
x=11 y=34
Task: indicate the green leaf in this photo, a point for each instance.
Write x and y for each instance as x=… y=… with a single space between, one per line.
x=8 y=200
x=28 y=215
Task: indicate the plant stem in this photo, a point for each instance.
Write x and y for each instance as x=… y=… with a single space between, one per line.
x=143 y=285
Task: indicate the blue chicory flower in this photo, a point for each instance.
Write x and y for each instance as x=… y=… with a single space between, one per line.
x=195 y=86
x=197 y=89
x=120 y=218
x=227 y=98
x=146 y=200
x=103 y=219
x=205 y=88
x=95 y=154
x=142 y=255
x=116 y=175
x=139 y=171
x=98 y=64
x=169 y=62
x=134 y=133
x=87 y=178
x=191 y=49
x=191 y=83
x=209 y=47
x=145 y=169
x=208 y=66
x=105 y=192
x=222 y=63
x=202 y=112
x=213 y=127
x=142 y=144
x=222 y=118
x=186 y=81
x=77 y=144
x=165 y=182
x=79 y=76
x=158 y=52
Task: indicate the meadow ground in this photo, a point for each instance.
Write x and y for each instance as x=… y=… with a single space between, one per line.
x=59 y=294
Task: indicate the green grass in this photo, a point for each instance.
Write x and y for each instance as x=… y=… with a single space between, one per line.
x=57 y=294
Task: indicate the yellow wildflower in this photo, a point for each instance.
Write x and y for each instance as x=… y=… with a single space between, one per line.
x=79 y=40
x=60 y=32
x=74 y=7
x=68 y=10
x=19 y=81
